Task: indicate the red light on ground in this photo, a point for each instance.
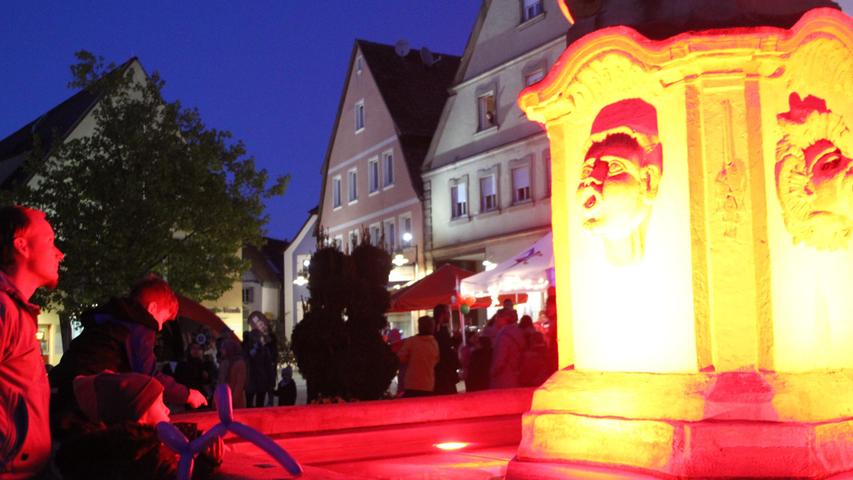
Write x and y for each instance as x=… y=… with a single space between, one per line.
x=449 y=446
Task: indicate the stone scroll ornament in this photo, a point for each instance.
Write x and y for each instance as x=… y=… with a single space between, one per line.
x=175 y=440
x=814 y=174
x=620 y=176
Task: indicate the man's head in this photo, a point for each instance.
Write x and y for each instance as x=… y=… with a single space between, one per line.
x=28 y=249
x=814 y=174
x=441 y=314
x=508 y=304
x=621 y=169
x=112 y=398
x=426 y=325
x=157 y=297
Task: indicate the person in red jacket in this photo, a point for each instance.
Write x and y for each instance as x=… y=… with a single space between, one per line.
x=28 y=260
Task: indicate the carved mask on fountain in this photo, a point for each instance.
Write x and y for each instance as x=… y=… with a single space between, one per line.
x=814 y=174
x=620 y=176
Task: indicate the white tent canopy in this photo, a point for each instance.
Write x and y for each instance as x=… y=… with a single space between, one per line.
x=526 y=272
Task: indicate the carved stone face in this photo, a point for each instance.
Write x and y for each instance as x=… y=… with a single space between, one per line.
x=830 y=180
x=814 y=174
x=615 y=187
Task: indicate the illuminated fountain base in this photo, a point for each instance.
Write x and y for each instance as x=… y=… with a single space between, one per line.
x=736 y=424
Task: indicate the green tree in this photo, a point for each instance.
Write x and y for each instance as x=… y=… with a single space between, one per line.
x=151 y=189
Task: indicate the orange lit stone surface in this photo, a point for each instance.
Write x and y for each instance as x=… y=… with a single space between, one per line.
x=715 y=338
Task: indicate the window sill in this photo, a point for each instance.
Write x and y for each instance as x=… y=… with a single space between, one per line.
x=531 y=21
x=458 y=220
x=352 y=202
x=374 y=193
x=359 y=130
x=523 y=205
x=388 y=187
x=490 y=213
x=335 y=209
x=486 y=131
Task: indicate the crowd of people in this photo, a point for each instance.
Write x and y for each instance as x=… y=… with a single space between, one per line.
x=100 y=404
x=506 y=353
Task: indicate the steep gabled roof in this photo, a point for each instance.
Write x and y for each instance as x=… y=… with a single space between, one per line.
x=51 y=128
x=268 y=260
x=413 y=93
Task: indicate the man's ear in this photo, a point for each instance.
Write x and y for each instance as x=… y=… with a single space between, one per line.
x=22 y=246
x=152 y=308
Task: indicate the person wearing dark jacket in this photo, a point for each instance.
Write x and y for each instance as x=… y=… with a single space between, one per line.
x=446 y=371
x=119 y=336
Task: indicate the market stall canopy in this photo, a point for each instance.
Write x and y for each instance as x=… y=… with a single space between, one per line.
x=528 y=271
x=438 y=287
x=198 y=313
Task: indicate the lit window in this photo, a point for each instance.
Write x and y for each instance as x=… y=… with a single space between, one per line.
x=373 y=175
x=458 y=200
x=391 y=235
x=534 y=77
x=387 y=169
x=488 y=194
x=359 y=116
x=352 y=185
x=531 y=9
x=486 y=111
x=520 y=184
x=336 y=192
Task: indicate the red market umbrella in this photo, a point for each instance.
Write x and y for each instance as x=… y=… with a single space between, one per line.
x=438 y=287
x=202 y=315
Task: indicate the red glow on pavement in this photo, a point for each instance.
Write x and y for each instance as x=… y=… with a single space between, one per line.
x=449 y=446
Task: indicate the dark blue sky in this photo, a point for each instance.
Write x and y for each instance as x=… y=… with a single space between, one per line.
x=269 y=71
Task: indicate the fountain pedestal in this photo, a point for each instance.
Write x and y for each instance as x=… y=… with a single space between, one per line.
x=702 y=218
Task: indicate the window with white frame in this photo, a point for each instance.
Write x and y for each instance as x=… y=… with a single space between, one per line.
x=353 y=239
x=352 y=185
x=336 y=191
x=373 y=175
x=546 y=158
x=375 y=235
x=534 y=76
x=406 y=228
x=458 y=200
x=488 y=194
x=359 y=64
x=486 y=111
x=387 y=169
x=521 y=184
x=248 y=295
x=390 y=234
x=530 y=9
x=359 y=116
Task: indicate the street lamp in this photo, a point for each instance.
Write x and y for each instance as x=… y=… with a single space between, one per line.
x=489 y=265
x=400 y=259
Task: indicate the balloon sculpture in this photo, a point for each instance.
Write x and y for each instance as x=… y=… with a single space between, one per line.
x=187 y=450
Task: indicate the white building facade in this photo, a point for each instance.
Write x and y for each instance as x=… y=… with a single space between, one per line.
x=487 y=174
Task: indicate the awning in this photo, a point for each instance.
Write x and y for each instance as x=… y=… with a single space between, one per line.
x=528 y=271
x=438 y=287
